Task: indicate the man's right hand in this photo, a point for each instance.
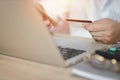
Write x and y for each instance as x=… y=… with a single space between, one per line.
x=105 y=30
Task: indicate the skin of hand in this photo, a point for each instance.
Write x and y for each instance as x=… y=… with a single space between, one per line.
x=105 y=30
x=61 y=27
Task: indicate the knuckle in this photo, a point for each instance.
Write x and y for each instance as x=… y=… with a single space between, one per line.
x=109 y=39
x=110 y=33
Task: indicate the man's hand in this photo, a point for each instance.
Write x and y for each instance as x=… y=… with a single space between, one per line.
x=105 y=30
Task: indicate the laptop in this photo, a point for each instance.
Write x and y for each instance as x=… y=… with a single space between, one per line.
x=23 y=34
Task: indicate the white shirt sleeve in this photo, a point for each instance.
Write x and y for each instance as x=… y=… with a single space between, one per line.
x=110 y=9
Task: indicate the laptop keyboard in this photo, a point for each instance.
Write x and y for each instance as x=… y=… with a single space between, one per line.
x=68 y=53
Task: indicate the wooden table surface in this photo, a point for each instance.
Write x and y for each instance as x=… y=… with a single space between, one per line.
x=17 y=69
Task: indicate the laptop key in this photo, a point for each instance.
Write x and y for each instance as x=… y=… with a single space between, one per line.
x=68 y=53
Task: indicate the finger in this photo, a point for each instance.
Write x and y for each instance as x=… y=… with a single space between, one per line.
x=59 y=19
x=94 y=27
x=85 y=25
x=101 y=40
x=47 y=23
x=98 y=34
x=52 y=28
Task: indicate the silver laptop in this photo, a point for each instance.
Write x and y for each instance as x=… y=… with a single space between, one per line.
x=24 y=35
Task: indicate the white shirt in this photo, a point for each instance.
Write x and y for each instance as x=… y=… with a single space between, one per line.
x=93 y=10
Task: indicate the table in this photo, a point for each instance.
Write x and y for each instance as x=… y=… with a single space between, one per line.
x=12 y=68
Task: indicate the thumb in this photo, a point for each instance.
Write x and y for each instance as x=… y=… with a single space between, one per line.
x=86 y=26
x=59 y=19
x=91 y=27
